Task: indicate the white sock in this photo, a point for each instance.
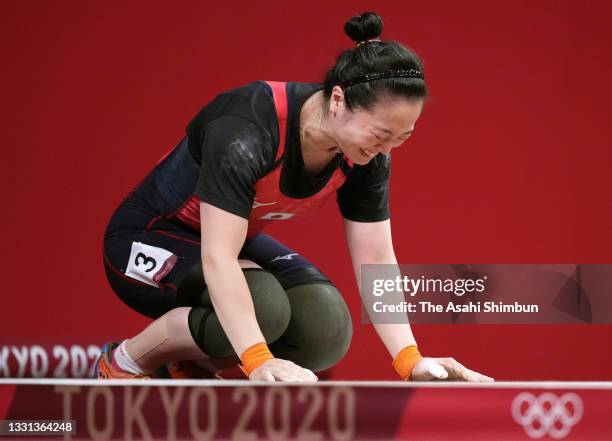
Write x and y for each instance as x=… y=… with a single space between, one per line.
x=125 y=362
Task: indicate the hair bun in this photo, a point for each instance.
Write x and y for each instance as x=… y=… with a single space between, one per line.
x=364 y=27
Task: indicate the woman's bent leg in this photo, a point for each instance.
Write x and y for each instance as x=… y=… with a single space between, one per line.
x=165 y=340
x=320 y=329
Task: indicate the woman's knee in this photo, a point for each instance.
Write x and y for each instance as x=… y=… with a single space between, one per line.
x=272 y=307
x=320 y=330
x=272 y=310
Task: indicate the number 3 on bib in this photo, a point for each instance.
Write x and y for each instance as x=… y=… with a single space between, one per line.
x=149 y=264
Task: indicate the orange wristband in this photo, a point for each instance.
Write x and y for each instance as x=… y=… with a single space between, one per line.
x=254 y=357
x=405 y=361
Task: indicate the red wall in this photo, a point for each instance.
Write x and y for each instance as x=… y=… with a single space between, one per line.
x=509 y=163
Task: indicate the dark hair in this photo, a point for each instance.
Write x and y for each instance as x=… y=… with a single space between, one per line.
x=371 y=58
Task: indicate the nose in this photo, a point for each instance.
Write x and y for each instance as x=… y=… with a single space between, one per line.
x=384 y=148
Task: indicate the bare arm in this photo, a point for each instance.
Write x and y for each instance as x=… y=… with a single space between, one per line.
x=223 y=235
x=370 y=243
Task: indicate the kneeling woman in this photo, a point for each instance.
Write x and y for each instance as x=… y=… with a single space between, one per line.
x=186 y=247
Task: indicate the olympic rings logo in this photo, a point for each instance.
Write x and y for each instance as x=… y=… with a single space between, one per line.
x=547 y=413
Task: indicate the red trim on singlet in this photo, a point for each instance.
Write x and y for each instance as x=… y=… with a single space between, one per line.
x=189 y=213
x=169 y=285
x=151 y=222
x=279 y=94
x=174 y=236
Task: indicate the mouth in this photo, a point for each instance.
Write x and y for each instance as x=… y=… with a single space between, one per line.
x=366 y=153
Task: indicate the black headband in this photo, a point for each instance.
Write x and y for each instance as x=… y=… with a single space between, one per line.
x=364 y=78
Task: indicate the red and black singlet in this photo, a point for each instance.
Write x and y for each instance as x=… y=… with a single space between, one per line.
x=240 y=154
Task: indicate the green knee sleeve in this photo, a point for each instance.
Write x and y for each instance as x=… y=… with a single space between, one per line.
x=272 y=310
x=320 y=330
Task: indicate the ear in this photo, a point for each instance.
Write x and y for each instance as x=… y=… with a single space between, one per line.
x=336 y=101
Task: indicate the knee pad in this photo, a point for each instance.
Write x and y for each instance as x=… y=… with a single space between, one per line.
x=272 y=310
x=272 y=306
x=320 y=331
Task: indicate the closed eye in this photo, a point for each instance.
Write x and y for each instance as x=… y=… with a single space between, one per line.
x=404 y=138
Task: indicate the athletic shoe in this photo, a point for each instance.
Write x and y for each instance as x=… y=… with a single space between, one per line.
x=104 y=369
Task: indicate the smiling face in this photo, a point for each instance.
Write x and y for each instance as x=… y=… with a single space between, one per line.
x=362 y=134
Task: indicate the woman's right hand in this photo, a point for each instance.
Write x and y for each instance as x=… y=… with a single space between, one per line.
x=277 y=369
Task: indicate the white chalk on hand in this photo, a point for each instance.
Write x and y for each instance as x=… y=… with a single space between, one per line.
x=437 y=371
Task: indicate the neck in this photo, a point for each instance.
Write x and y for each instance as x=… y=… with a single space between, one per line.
x=314 y=129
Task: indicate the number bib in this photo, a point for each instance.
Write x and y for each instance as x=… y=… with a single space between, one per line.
x=149 y=264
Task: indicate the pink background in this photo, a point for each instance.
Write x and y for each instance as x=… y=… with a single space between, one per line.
x=510 y=162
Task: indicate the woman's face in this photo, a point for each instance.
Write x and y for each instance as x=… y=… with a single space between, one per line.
x=362 y=134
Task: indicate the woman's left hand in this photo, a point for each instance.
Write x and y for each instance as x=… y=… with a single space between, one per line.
x=428 y=369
